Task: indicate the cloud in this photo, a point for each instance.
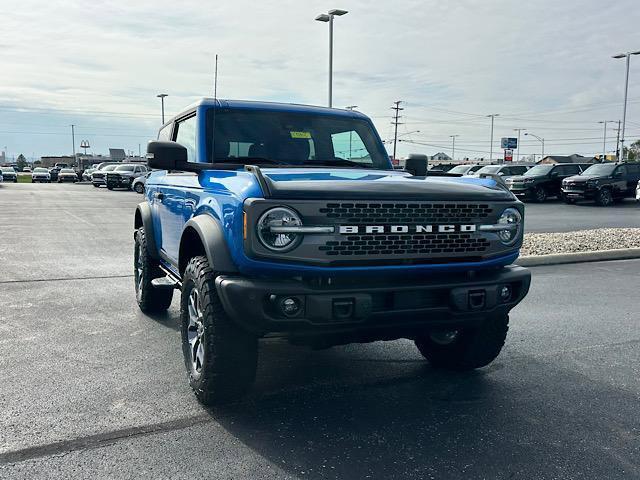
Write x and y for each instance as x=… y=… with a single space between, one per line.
x=451 y=62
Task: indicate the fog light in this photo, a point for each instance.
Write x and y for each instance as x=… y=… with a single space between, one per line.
x=289 y=306
x=505 y=293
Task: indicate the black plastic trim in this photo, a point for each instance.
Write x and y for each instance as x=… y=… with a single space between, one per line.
x=144 y=210
x=213 y=241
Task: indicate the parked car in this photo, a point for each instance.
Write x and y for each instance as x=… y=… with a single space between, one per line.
x=9 y=174
x=67 y=175
x=86 y=175
x=26 y=169
x=500 y=173
x=543 y=181
x=638 y=191
x=465 y=169
x=1 y=178
x=603 y=182
x=123 y=175
x=99 y=176
x=139 y=183
x=40 y=174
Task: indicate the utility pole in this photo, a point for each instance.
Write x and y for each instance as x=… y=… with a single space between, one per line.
x=604 y=138
x=453 y=146
x=395 y=122
x=492 y=116
x=518 y=130
x=328 y=17
x=73 y=141
x=618 y=143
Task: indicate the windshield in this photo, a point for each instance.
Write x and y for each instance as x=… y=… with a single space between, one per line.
x=7 y=170
x=124 y=168
x=490 y=169
x=600 y=169
x=40 y=170
x=67 y=170
x=293 y=139
x=461 y=169
x=538 y=170
x=108 y=168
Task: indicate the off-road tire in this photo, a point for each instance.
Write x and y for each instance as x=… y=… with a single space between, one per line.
x=230 y=353
x=604 y=197
x=150 y=299
x=473 y=347
x=540 y=195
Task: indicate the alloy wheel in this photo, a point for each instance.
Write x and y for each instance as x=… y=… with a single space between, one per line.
x=195 y=332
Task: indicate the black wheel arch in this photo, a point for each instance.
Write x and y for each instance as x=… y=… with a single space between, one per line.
x=203 y=235
x=144 y=219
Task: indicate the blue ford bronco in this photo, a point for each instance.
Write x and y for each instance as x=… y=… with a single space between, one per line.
x=280 y=220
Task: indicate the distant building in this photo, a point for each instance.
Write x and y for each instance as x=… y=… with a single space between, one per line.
x=3 y=158
x=440 y=156
x=575 y=158
x=49 y=162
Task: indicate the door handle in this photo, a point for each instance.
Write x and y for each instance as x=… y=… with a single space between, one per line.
x=158 y=195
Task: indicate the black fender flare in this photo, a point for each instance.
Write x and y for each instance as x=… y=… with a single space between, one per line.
x=211 y=236
x=144 y=219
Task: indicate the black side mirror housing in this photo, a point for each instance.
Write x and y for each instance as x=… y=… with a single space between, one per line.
x=163 y=155
x=416 y=164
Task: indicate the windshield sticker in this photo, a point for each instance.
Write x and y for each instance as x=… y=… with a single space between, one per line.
x=300 y=134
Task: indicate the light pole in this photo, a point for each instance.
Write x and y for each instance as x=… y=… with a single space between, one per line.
x=604 y=138
x=328 y=17
x=161 y=97
x=518 y=130
x=626 y=89
x=453 y=146
x=492 y=116
x=540 y=139
x=73 y=141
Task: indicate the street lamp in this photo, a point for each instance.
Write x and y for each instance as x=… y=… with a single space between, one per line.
x=328 y=17
x=519 y=130
x=492 y=116
x=604 y=138
x=161 y=97
x=453 y=146
x=626 y=89
x=540 y=139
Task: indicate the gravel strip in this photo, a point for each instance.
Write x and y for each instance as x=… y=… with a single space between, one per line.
x=580 y=241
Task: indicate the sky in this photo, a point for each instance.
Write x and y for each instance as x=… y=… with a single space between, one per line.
x=542 y=65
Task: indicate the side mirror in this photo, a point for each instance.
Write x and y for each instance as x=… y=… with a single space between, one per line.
x=166 y=155
x=501 y=173
x=417 y=164
x=618 y=173
x=554 y=174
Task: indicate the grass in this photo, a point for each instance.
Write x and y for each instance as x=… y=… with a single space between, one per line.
x=22 y=178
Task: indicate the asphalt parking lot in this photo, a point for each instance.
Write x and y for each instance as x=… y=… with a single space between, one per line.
x=90 y=386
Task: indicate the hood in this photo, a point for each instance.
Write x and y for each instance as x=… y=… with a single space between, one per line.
x=331 y=183
x=581 y=178
x=520 y=178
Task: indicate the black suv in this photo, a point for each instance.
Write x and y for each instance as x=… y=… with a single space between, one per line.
x=602 y=182
x=543 y=181
x=123 y=175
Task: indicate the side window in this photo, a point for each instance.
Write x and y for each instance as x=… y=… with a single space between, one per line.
x=187 y=137
x=634 y=169
x=571 y=170
x=349 y=146
x=621 y=170
x=165 y=133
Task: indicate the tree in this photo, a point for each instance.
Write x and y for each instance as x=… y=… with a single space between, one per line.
x=21 y=162
x=633 y=152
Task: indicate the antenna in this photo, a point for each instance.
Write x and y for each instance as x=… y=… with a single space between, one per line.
x=215 y=107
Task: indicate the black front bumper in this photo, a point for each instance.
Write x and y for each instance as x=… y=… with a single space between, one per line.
x=119 y=182
x=370 y=310
x=586 y=194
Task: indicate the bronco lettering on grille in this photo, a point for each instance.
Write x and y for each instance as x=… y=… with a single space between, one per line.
x=351 y=229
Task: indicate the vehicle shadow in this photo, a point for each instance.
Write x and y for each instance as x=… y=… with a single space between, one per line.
x=344 y=414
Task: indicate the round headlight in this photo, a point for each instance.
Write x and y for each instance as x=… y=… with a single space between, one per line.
x=279 y=217
x=512 y=219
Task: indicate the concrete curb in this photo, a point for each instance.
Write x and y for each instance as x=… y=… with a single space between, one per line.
x=578 y=257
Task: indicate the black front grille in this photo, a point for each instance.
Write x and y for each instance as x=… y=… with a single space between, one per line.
x=455 y=244
x=575 y=185
x=364 y=213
